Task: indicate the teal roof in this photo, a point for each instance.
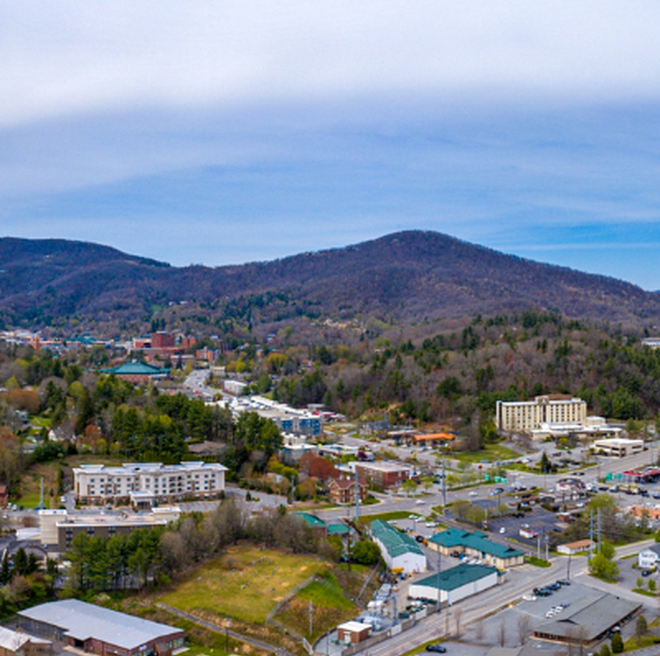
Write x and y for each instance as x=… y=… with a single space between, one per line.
x=136 y=369
x=475 y=540
x=337 y=529
x=393 y=540
x=311 y=520
x=457 y=577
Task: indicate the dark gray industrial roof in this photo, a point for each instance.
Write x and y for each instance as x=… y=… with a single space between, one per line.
x=592 y=616
x=83 y=621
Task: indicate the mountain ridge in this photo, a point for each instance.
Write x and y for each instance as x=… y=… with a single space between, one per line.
x=403 y=277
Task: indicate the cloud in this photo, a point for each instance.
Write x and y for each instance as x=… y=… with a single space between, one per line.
x=250 y=130
x=74 y=57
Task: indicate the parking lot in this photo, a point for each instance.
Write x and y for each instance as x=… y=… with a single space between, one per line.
x=538 y=519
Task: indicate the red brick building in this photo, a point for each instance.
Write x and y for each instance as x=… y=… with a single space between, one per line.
x=382 y=474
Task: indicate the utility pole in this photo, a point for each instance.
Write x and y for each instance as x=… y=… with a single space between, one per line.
x=357 y=496
x=311 y=616
x=439 y=578
x=591 y=532
x=444 y=482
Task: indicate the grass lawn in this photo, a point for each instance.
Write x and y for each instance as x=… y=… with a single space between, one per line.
x=537 y=562
x=633 y=644
x=330 y=607
x=492 y=453
x=386 y=517
x=245 y=583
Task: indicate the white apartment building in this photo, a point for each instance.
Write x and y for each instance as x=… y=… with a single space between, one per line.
x=525 y=416
x=148 y=483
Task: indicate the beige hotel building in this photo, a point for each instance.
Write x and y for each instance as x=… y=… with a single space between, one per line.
x=524 y=416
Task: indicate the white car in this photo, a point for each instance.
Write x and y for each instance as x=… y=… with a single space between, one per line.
x=550 y=613
x=474 y=494
x=502 y=530
x=420 y=502
x=529 y=597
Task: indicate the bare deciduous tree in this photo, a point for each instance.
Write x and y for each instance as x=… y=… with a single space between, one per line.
x=479 y=631
x=524 y=625
x=501 y=632
x=457 y=621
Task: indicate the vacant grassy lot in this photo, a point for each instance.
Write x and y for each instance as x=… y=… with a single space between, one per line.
x=386 y=517
x=245 y=583
x=491 y=453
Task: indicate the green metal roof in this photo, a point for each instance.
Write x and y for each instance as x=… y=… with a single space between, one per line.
x=393 y=540
x=337 y=529
x=458 y=576
x=311 y=520
x=136 y=369
x=475 y=540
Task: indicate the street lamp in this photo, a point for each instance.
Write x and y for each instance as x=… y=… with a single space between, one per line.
x=227 y=624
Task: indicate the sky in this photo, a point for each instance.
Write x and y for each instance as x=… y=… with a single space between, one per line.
x=214 y=133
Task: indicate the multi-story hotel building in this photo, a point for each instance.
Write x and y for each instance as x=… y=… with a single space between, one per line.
x=525 y=416
x=148 y=483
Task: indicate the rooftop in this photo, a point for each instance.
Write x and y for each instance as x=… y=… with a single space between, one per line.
x=137 y=369
x=311 y=520
x=457 y=577
x=475 y=540
x=393 y=540
x=83 y=621
x=591 y=616
x=149 y=467
x=384 y=466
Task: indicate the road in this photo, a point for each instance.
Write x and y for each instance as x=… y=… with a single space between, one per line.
x=470 y=610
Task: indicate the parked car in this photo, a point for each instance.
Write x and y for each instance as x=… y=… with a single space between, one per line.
x=439 y=649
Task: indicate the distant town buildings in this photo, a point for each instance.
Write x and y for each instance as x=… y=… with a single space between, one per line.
x=148 y=483
x=286 y=418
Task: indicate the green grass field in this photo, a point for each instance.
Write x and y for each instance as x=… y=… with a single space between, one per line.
x=491 y=453
x=245 y=583
x=386 y=517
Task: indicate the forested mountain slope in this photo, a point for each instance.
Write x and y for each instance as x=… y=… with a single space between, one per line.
x=403 y=278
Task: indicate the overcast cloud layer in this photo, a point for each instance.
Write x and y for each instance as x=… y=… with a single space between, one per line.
x=229 y=132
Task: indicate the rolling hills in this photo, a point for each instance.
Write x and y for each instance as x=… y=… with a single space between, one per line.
x=402 y=278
